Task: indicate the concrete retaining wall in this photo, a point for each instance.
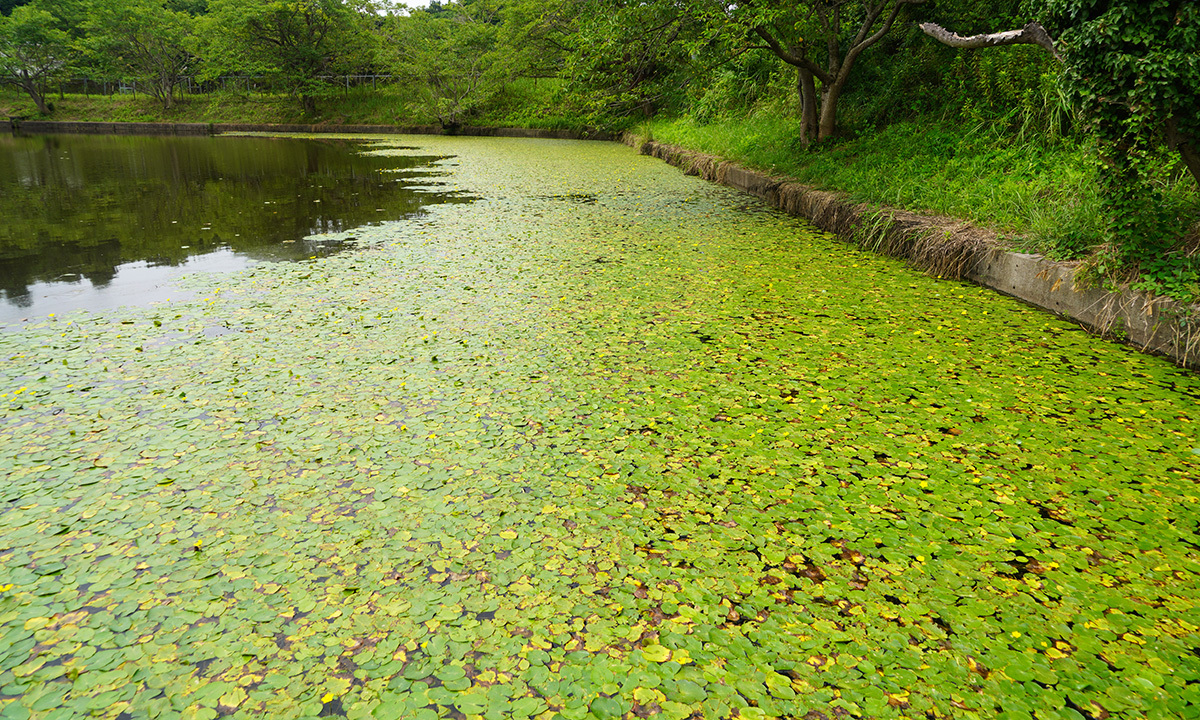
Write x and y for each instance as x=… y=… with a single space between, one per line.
x=40 y=127
x=951 y=248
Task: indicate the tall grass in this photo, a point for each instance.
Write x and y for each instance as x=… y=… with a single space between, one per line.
x=1038 y=192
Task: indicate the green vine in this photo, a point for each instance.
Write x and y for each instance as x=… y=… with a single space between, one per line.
x=1132 y=69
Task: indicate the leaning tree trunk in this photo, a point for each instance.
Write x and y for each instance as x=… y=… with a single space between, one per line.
x=39 y=98
x=1032 y=34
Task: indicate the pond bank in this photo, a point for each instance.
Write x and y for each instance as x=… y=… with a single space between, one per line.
x=39 y=127
x=943 y=246
x=949 y=247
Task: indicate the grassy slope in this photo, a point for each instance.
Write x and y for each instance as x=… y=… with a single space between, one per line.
x=1020 y=188
x=1044 y=195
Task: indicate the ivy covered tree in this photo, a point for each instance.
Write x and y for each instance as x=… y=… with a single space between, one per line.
x=33 y=50
x=1132 y=67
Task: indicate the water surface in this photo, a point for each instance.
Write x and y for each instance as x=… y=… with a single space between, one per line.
x=97 y=221
x=607 y=443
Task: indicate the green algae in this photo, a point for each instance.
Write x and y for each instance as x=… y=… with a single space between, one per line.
x=609 y=442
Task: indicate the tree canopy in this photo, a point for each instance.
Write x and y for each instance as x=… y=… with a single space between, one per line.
x=296 y=41
x=32 y=51
x=142 y=39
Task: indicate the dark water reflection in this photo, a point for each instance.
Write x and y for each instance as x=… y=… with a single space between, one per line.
x=96 y=221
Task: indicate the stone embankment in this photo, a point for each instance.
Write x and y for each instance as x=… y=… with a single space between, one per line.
x=955 y=249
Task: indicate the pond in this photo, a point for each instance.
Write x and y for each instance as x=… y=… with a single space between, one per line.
x=95 y=221
x=608 y=442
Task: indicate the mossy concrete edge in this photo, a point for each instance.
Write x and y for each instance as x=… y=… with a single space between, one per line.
x=39 y=127
x=952 y=248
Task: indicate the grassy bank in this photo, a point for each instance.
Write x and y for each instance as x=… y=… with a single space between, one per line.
x=525 y=103
x=1041 y=195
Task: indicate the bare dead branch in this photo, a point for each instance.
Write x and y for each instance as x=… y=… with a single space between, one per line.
x=1031 y=34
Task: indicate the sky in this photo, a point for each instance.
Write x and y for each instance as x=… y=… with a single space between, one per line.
x=410 y=3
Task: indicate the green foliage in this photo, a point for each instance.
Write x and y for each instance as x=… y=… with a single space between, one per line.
x=535 y=103
x=822 y=39
x=143 y=40
x=1133 y=68
x=33 y=50
x=735 y=86
x=1013 y=87
x=451 y=58
x=629 y=58
x=7 y=6
x=294 y=41
x=536 y=34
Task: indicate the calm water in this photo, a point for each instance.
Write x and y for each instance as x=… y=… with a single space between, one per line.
x=96 y=221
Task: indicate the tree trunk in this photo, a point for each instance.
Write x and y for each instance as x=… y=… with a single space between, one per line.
x=807 y=87
x=1185 y=146
x=829 y=101
x=309 y=104
x=38 y=99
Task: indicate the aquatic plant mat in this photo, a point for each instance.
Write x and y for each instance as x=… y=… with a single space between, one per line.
x=608 y=442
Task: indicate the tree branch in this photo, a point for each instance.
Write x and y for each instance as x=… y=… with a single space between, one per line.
x=791 y=59
x=856 y=49
x=1031 y=34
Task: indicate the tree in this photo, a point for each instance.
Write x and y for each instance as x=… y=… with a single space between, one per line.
x=629 y=56
x=142 y=39
x=1132 y=67
x=537 y=34
x=837 y=31
x=298 y=41
x=32 y=51
x=451 y=56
